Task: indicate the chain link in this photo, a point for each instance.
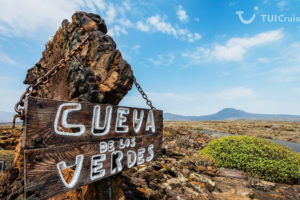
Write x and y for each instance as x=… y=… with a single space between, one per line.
x=149 y=103
x=43 y=79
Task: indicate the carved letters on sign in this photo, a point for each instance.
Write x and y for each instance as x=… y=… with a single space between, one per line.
x=62 y=166
x=89 y=141
x=120 y=126
x=97 y=160
x=64 y=120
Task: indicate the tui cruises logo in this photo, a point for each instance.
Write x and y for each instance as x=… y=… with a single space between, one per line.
x=268 y=18
x=246 y=21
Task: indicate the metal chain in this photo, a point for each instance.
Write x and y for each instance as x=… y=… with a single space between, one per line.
x=43 y=79
x=149 y=103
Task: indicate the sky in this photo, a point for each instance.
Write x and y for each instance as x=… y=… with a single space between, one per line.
x=191 y=57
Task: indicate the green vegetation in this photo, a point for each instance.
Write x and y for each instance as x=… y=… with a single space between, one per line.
x=256 y=156
x=199 y=128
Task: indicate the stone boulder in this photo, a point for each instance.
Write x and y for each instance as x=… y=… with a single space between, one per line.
x=96 y=74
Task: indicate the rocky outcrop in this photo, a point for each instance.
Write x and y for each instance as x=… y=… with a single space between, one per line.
x=97 y=74
x=9 y=138
x=11 y=179
x=181 y=173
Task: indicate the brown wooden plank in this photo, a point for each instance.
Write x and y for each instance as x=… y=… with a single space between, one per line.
x=40 y=117
x=41 y=172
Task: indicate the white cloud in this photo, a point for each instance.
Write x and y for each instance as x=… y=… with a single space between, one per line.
x=126 y=6
x=284 y=62
x=286 y=74
x=34 y=17
x=183 y=31
x=110 y=13
x=181 y=14
x=156 y=23
x=290 y=54
x=125 y=22
x=264 y=60
x=4 y=30
x=93 y=5
x=5 y=59
x=100 y=4
x=289 y=70
x=160 y=25
x=116 y=16
x=192 y=37
x=136 y=48
x=282 y=4
x=164 y=60
x=117 y=30
x=236 y=93
x=235 y=48
x=20 y=17
x=142 y=27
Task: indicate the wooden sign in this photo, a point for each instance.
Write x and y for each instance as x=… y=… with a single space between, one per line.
x=70 y=144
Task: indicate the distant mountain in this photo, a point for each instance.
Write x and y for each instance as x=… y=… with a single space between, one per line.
x=232 y=114
x=225 y=114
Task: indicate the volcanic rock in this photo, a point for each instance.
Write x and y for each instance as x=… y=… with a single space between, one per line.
x=96 y=74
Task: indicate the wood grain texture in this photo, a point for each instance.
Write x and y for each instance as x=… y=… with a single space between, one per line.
x=41 y=164
x=40 y=116
x=44 y=148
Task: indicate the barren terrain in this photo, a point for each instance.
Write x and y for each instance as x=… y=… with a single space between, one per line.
x=285 y=131
x=181 y=173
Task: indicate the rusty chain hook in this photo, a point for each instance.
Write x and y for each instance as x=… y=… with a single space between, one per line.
x=45 y=78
